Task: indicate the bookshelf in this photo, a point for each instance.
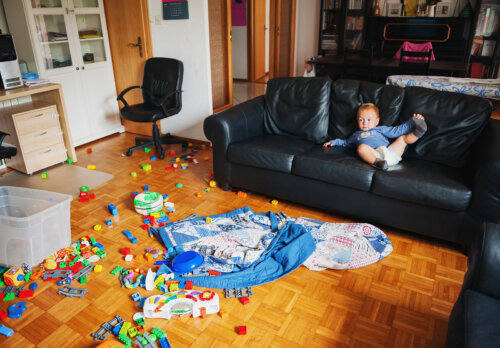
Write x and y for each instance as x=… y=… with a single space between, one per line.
x=342 y=25
x=484 y=60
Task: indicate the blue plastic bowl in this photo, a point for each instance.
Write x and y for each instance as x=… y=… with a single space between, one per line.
x=187 y=262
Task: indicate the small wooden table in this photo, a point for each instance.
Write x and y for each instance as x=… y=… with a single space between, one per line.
x=50 y=93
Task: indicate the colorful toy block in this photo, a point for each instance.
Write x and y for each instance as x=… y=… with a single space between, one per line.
x=112 y=210
x=44 y=175
x=133 y=174
x=242 y=330
x=223 y=314
x=244 y=300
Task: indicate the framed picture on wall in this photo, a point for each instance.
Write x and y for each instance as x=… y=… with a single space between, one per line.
x=393 y=9
x=444 y=9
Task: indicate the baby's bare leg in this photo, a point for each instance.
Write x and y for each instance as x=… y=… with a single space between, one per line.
x=367 y=153
x=399 y=145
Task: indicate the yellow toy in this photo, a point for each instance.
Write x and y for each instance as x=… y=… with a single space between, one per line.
x=12 y=275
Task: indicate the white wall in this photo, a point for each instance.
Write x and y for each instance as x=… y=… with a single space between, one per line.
x=188 y=41
x=306 y=32
x=240 y=52
x=3 y=23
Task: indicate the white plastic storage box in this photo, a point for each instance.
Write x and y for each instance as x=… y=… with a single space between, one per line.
x=34 y=224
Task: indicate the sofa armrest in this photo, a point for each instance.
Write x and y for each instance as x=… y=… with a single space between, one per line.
x=486 y=173
x=243 y=121
x=483 y=274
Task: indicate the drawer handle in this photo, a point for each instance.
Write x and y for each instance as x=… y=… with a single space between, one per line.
x=47 y=151
x=39 y=115
x=39 y=135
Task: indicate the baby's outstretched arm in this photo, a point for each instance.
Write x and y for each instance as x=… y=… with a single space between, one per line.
x=328 y=144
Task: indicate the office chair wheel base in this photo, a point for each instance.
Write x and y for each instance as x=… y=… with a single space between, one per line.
x=128 y=153
x=161 y=156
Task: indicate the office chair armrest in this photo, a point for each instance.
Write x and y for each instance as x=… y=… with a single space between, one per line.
x=160 y=101
x=120 y=96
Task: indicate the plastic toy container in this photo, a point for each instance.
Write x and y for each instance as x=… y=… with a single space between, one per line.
x=34 y=224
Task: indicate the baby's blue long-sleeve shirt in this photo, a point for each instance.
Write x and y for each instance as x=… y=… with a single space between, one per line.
x=375 y=137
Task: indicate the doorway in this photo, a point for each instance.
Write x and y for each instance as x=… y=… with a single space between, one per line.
x=258 y=37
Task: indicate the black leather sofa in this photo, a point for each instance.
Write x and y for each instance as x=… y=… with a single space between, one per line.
x=448 y=182
x=474 y=318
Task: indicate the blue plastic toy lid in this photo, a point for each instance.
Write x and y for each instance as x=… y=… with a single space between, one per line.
x=187 y=262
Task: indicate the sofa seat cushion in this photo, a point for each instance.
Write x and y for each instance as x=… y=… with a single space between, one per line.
x=339 y=166
x=273 y=152
x=482 y=315
x=424 y=183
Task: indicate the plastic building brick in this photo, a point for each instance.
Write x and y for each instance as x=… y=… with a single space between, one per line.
x=140 y=321
x=238 y=292
x=3 y=315
x=158 y=333
x=98 y=269
x=203 y=312
x=112 y=210
x=164 y=343
x=147 y=149
x=83 y=280
x=91 y=167
x=125 y=340
x=189 y=285
x=146 y=188
x=44 y=175
x=116 y=270
x=109 y=222
x=244 y=300
x=125 y=326
x=16 y=310
x=223 y=314
x=242 y=330
x=274 y=202
x=133 y=174
x=178 y=185
x=33 y=286
x=4 y=330
x=125 y=251
x=127 y=233
x=69 y=160
x=97 y=227
x=132 y=332
x=89 y=150
x=136 y=297
x=26 y=293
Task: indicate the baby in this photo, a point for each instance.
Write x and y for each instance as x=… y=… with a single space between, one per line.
x=371 y=140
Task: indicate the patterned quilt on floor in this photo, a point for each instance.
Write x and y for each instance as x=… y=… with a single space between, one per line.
x=246 y=246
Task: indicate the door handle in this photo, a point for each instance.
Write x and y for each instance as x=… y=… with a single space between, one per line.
x=138 y=44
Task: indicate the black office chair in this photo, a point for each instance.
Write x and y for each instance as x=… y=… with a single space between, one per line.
x=162 y=96
x=6 y=151
x=411 y=67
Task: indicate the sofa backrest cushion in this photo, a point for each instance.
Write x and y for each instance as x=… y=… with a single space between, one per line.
x=298 y=106
x=454 y=121
x=348 y=95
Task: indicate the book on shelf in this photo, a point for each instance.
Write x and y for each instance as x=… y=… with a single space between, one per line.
x=488 y=48
x=477 y=45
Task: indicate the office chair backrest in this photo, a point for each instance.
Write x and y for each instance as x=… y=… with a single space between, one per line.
x=415 y=63
x=162 y=76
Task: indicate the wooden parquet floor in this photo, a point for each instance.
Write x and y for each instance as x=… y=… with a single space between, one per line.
x=402 y=301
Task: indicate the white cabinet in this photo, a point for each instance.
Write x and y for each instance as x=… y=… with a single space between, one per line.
x=66 y=41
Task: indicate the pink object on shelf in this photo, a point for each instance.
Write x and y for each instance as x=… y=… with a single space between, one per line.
x=415 y=47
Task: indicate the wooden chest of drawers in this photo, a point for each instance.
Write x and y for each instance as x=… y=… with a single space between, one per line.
x=35 y=130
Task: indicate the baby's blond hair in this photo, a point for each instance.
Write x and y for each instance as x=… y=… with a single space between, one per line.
x=368 y=106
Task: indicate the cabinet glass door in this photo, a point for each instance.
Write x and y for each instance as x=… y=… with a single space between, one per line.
x=91 y=38
x=46 y=3
x=85 y=3
x=53 y=38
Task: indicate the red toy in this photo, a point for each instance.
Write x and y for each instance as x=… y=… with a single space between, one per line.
x=244 y=300
x=242 y=330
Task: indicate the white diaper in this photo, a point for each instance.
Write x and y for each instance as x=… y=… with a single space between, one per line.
x=388 y=155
